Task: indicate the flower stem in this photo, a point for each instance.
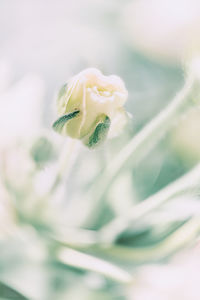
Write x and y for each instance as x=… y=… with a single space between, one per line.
x=142 y=143
x=66 y=162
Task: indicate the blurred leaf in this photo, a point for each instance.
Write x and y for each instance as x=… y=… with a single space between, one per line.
x=148 y=235
x=42 y=151
x=7 y=292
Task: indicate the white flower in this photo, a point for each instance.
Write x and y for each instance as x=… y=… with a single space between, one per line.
x=90 y=105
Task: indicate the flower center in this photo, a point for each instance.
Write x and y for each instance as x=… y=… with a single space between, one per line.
x=99 y=92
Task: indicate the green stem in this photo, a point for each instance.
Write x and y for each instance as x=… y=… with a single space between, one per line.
x=141 y=144
x=67 y=159
x=188 y=182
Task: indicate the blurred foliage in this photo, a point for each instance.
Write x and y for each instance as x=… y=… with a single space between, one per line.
x=42 y=151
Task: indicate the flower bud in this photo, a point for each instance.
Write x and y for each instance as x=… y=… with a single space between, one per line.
x=90 y=106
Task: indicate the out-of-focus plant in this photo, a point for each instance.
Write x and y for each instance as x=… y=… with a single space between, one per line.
x=79 y=235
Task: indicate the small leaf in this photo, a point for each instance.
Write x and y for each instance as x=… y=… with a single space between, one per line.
x=99 y=133
x=59 y=124
x=9 y=293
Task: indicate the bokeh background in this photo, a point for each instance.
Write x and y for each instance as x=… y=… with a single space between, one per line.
x=43 y=44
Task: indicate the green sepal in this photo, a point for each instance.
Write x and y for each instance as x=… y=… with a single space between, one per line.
x=59 y=124
x=100 y=133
